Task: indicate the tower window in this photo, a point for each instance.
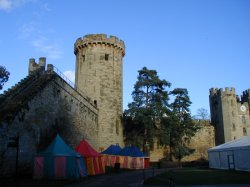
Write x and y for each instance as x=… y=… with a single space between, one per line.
x=234 y=128
x=117 y=126
x=244 y=131
x=243 y=119
x=83 y=58
x=95 y=102
x=106 y=57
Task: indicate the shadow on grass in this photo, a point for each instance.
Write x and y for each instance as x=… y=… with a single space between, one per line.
x=196 y=176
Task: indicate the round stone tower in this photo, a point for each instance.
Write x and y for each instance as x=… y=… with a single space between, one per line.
x=99 y=75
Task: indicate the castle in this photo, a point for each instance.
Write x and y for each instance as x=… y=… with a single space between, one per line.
x=99 y=74
x=230 y=115
x=43 y=104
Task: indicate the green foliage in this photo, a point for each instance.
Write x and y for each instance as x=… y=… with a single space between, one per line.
x=150 y=101
x=180 y=124
x=4 y=76
x=150 y=117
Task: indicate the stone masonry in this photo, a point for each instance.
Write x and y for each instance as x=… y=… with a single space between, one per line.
x=229 y=114
x=43 y=104
x=99 y=74
x=35 y=110
x=201 y=142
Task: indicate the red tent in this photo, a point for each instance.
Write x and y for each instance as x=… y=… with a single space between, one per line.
x=94 y=160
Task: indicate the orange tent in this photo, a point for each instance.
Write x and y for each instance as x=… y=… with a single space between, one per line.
x=94 y=161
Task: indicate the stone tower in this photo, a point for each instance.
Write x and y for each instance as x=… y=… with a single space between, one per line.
x=99 y=74
x=229 y=114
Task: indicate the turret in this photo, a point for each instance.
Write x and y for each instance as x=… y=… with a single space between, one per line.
x=99 y=73
x=33 y=66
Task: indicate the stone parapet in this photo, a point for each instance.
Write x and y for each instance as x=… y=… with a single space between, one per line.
x=99 y=39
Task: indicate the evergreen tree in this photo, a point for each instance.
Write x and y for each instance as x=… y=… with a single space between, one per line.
x=4 y=76
x=150 y=103
x=180 y=124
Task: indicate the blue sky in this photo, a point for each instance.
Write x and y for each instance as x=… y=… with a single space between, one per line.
x=194 y=44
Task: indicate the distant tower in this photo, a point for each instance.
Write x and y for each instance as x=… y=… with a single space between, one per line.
x=229 y=115
x=99 y=74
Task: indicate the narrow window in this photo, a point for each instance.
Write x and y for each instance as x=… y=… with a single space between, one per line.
x=117 y=126
x=83 y=58
x=234 y=127
x=243 y=119
x=95 y=102
x=106 y=57
x=244 y=131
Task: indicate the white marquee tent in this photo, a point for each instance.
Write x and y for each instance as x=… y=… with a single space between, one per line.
x=231 y=155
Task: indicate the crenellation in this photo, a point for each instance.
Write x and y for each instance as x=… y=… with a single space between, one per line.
x=99 y=39
x=227 y=113
x=245 y=97
x=221 y=91
x=33 y=66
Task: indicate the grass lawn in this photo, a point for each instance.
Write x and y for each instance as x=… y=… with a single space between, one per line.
x=195 y=176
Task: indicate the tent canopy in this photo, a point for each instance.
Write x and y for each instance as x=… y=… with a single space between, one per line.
x=231 y=155
x=59 y=148
x=59 y=161
x=132 y=151
x=86 y=150
x=94 y=160
x=112 y=150
x=242 y=143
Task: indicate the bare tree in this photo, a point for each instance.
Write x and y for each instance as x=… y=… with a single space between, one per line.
x=202 y=114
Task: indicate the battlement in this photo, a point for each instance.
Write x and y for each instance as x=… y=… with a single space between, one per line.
x=99 y=39
x=221 y=91
x=33 y=66
x=245 y=97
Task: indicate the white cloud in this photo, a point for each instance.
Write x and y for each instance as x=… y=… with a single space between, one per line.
x=70 y=75
x=46 y=7
x=5 y=5
x=51 y=50
x=8 y=5
x=27 y=29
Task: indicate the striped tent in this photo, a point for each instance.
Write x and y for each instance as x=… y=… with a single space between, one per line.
x=132 y=158
x=59 y=161
x=94 y=161
x=129 y=157
x=111 y=155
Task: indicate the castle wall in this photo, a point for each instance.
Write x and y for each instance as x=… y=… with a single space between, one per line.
x=99 y=74
x=227 y=114
x=201 y=142
x=56 y=108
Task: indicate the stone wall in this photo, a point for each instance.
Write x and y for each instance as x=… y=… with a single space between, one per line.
x=229 y=114
x=57 y=108
x=201 y=142
x=99 y=75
